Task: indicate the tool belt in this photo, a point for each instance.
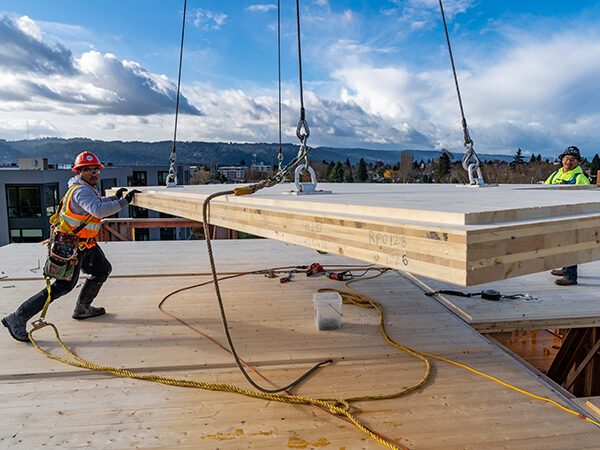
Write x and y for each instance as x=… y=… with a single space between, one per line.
x=62 y=255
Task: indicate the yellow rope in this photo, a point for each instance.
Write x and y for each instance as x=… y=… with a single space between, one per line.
x=363 y=301
x=512 y=387
x=330 y=405
x=336 y=406
x=373 y=302
x=48 y=300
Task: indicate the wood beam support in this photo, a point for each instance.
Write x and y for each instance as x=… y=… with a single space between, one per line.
x=577 y=363
x=123 y=229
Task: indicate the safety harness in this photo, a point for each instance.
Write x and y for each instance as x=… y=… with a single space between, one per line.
x=68 y=232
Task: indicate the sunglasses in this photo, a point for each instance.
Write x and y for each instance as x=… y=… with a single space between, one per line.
x=569 y=158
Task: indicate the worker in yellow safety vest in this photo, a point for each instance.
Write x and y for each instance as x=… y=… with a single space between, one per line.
x=569 y=173
x=79 y=214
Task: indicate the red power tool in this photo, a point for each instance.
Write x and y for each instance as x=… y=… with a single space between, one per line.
x=340 y=276
x=314 y=269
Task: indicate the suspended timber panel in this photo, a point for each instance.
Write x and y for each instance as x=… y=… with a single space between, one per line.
x=462 y=235
x=45 y=403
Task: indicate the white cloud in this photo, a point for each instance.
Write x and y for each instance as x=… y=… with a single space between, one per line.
x=208 y=20
x=37 y=76
x=424 y=14
x=13 y=129
x=451 y=7
x=261 y=8
x=539 y=94
x=29 y=27
x=23 y=51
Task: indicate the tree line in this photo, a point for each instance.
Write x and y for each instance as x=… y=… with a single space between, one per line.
x=442 y=169
x=445 y=170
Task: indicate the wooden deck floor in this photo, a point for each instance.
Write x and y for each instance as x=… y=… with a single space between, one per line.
x=556 y=306
x=49 y=404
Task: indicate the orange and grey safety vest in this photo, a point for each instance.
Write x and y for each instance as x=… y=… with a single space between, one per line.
x=86 y=227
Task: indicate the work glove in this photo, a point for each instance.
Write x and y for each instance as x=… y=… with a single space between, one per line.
x=130 y=194
x=120 y=192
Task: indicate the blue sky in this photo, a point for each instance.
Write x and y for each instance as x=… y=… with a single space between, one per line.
x=376 y=73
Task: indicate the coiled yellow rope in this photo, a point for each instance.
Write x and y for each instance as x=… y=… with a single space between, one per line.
x=364 y=301
x=336 y=406
x=329 y=404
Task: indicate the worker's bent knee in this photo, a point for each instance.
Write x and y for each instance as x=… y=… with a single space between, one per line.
x=102 y=275
x=62 y=287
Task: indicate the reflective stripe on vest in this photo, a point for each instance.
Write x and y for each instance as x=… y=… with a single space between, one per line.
x=70 y=221
x=571 y=181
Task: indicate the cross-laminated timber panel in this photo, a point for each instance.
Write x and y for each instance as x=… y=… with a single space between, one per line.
x=462 y=235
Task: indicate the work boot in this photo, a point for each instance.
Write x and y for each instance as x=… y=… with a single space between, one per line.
x=565 y=282
x=87 y=311
x=16 y=327
x=557 y=272
x=84 y=308
x=16 y=322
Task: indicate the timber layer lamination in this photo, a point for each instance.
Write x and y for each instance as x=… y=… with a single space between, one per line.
x=458 y=234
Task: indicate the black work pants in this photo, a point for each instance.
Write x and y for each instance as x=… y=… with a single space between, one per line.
x=93 y=262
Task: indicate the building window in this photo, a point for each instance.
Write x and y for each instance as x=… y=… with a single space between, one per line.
x=139 y=178
x=51 y=199
x=162 y=177
x=135 y=212
x=167 y=234
x=20 y=235
x=107 y=184
x=142 y=234
x=24 y=201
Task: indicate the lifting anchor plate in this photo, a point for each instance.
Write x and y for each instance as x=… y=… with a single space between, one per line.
x=306 y=188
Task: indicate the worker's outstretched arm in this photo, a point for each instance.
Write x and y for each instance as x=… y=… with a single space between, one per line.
x=86 y=202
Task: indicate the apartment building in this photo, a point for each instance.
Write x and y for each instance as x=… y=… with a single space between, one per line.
x=30 y=193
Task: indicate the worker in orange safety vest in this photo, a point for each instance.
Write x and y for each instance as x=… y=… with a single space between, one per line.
x=80 y=213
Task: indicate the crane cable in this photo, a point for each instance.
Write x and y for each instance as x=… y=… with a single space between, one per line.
x=302 y=130
x=172 y=176
x=468 y=144
x=280 y=154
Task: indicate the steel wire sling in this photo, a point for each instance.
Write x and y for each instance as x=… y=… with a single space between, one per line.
x=280 y=154
x=172 y=176
x=468 y=142
x=302 y=130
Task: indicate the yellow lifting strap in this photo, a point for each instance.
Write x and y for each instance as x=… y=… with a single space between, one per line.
x=40 y=323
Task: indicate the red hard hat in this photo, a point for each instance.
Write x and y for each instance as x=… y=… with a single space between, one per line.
x=86 y=159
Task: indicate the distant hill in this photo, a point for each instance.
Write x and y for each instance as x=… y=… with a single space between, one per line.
x=59 y=150
x=8 y=153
